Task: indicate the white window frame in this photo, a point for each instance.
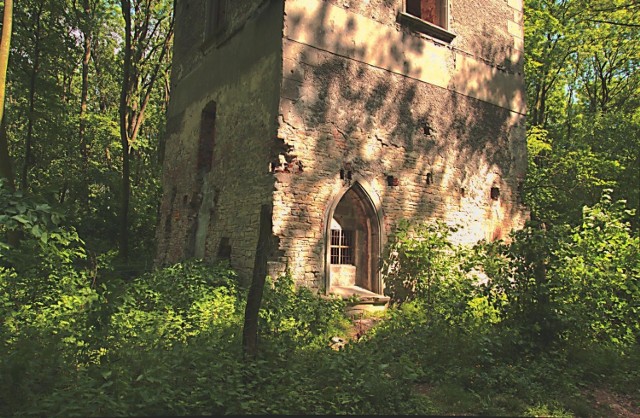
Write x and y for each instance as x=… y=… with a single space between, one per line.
x=345 y=246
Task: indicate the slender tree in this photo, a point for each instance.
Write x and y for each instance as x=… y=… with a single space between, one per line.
x=33 y=78
x=85 y=16
x=148 y=39
x=6 y=166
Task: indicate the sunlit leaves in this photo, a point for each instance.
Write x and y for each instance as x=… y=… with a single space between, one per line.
x=582 y=61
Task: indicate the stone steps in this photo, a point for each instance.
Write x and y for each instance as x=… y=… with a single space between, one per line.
x=361 y=301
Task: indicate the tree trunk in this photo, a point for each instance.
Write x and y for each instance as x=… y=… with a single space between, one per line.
x=6 y=167
x=82 y=128
x=144 y=56
x=254 y=299
x=124 y=136
x=28 y=157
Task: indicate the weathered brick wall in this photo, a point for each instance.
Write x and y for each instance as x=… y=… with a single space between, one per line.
x=363 y=94
x=241 y=73
x=475 y=22
x=307 y=88
x=190 y=46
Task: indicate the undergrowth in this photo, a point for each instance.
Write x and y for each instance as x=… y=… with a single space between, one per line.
x=526 y=328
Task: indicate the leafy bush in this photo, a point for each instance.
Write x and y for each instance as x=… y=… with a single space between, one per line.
x=175 y=303
x=597 y=276
x=293 y=316
x=33 y=234
x=572 y=284
x=70 y=349
x=422 y=265
x=46 y=302
x=499 y=328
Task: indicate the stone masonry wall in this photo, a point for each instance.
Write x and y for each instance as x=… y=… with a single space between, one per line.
x=214 y=213
x=361 y=93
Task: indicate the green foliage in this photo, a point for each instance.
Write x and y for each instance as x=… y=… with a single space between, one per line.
x=44 y=250
x=577 y=284
x=45 y=301
x=422 y=265
x=20 y=213
x=64 y=140
x=168 y=342
x=582 y=88
x=527 y=319
x=142 y=347
x=598 y=276
x=564 y=177
x=294 y=316
x=181 y=301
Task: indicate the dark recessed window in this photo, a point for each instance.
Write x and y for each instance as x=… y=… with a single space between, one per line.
x=520 y=192
x=224 y=249
x=207 y=138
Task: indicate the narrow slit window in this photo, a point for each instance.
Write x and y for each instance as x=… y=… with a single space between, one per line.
x=207 y=138
x=341 y=246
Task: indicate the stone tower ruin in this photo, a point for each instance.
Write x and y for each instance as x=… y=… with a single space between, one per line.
x=339 y=118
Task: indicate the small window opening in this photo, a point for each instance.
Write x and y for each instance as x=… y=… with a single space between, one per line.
x=495 y=193
x=432 y=11
x=429 y=178
x=520 y=192
x=428 y=130
x=341 y=246
x=207 y=138
x=345 y=174
x=224 y=249
x=392 y=181
x=430 y=17
x=462 y=192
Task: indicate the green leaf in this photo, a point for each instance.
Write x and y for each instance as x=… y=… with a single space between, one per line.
x=20 y=218
x=55 y=218
x=36 y=231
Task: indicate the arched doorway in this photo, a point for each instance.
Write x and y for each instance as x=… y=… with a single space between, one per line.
x=352 y=243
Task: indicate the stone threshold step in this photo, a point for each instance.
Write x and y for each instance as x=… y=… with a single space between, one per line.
x=362 y=296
